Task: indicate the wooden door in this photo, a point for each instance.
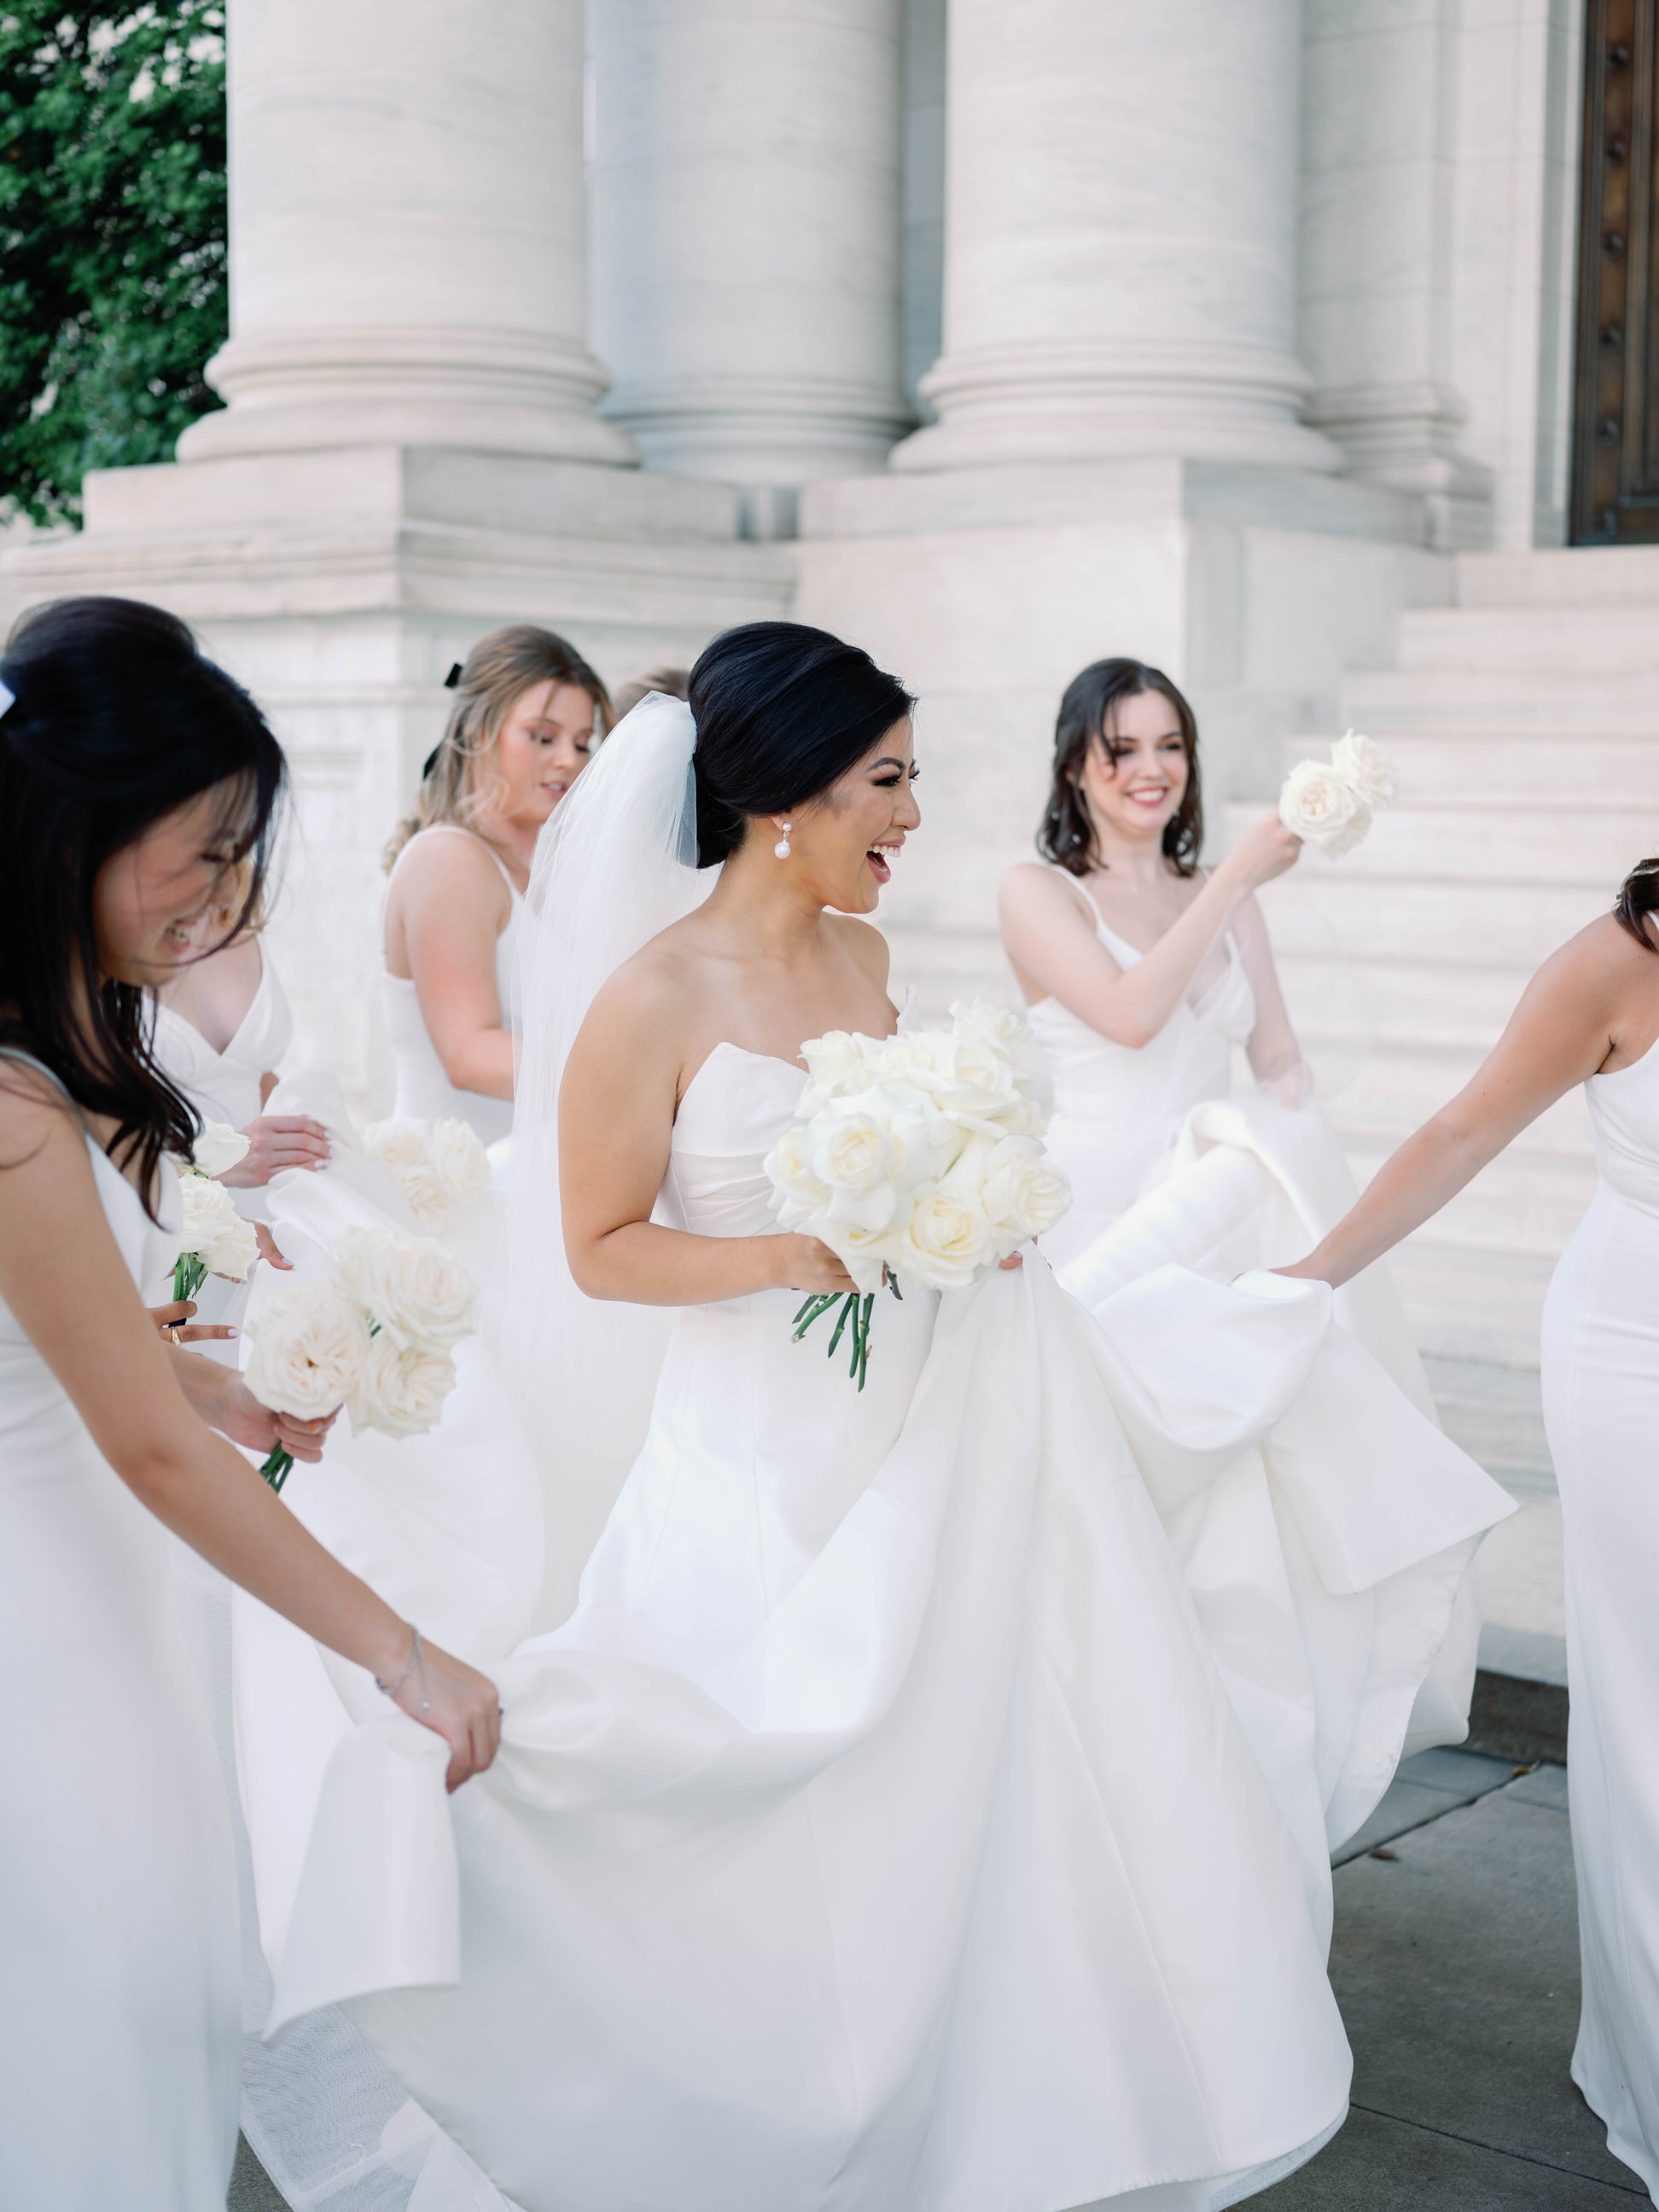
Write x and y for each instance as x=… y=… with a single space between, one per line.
x=1615 y=475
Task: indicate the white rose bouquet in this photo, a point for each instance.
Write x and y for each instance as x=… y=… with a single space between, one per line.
x=438 y=1166
x=377 y=1338
x=215 y=1239
x=1329 y=805
x=917 y=1159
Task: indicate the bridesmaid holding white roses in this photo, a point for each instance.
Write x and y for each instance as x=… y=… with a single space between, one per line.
x=135 y=777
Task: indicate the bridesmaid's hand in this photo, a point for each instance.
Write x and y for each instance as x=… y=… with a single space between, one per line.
x=177 y=1323
x=277 y=1141
x=238 y=1415
x=802 y=1263
x=267 y=1244
x=462 y=1707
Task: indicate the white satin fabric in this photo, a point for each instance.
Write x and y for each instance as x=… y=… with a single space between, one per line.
x=878 y=1832
x=224 y=1086
x=1600 y=1363
x=1331 y=1564
x=1117 y=1109
x=119 y=2035
x=424 y=1092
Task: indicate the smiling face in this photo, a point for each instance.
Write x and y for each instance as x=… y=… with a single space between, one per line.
x=844 y=842
x=1134 y=779
x=154 y=901
x=541 y=747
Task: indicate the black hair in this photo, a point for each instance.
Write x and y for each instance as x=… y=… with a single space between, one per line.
x=1639 y=897
x=781 y=711
x=118 y=719
x=1066 y=835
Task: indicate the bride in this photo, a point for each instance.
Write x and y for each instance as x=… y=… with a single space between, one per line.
x=877 y=1830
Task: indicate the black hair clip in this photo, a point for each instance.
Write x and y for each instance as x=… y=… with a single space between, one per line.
x=430 y=762
x=452 y=680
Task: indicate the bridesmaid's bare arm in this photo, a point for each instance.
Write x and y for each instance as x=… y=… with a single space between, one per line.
x=1573 y=1021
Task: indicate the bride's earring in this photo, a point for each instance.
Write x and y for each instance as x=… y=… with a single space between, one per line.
x=781 y=848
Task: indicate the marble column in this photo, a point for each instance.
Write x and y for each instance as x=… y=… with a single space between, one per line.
x=1120 y=236
x=1379 y=234
x=408 y=232
x=747 y=233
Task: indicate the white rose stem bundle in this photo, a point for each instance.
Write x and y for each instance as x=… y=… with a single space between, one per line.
x=215 y=1239
x=916 y=1158
x=1329 y=803
x=376 y=1337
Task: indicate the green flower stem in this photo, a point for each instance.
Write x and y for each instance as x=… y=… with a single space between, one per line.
x=189 y=1274
x=848 y=1306
x=275 y=1468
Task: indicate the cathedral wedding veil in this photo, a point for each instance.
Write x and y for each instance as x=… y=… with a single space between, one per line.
x=616 y=866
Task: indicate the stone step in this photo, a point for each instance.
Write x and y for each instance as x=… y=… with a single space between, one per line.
x=1528 y=1200
x=1395 y=1088
x=1464 y=1302
x=1506 y=703
x=1487 y=767
x=1568 y=843
x=1433 y=1003
x=1503 y=923
x=1556 y=641
x=1579 y=576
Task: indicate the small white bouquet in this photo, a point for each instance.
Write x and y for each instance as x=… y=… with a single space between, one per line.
x=438 y=1166
x=215 y=1240
x=1329 y=803
x=917 y=1159
x=377 y=1338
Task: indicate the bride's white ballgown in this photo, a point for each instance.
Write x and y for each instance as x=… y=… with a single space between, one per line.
x=121 y=2038
x=1601 y=1371
x=878 y=1832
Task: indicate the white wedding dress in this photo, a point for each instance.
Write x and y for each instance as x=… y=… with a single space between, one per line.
x=424 y=1092
x=1601 y=1362
x=119 y=2047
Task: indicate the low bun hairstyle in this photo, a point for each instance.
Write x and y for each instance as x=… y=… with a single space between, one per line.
x=120 y=719
x=1066 y=835
x=781 y=711
x=1639 y=897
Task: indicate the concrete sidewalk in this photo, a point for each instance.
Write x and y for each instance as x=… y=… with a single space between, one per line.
x=1456 y=1962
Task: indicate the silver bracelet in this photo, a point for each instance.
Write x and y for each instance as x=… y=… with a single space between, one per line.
x=417 y=1659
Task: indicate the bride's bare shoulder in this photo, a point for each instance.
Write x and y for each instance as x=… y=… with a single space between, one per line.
x=652 y=1001
x=864 y=943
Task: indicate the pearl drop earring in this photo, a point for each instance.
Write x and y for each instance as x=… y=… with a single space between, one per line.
x=781 y=848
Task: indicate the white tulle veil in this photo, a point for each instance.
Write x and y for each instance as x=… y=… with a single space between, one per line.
x=616 y=866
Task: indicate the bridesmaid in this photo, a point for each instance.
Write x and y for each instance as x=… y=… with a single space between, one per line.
x=134 y=776
x=528 y=711
x=222 y=1025
x=1589 y=1016
x=1140 y=970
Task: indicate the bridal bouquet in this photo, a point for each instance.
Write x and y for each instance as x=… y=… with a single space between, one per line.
x=376 y=1337
x=1329 y=805
x=917 y=1159
x=438 y=1166
x=215 y=1240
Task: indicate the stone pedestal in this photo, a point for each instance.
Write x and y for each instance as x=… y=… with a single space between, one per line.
x=747 y=226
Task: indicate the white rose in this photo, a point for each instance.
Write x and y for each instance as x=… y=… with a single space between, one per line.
x=459 y=1160
x=1323 y=808
x=987 y=1024
x=307 y=1350
x=864 y=1253
x=218 y=1147
x=417 y=1291
x=851 y=1149
x=1366 y=766
x=403 y=1148
x=797 y=1194
x=833 y=1060
x=213 y=1230
x=1022 y=1193
x=946 y=1239
x=400 y=1389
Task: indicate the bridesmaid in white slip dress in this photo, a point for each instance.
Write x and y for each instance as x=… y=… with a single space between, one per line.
x=876 y=1833
x=1141 y=972
x=133 y=776
x=528 y=710
x=1591 y=1015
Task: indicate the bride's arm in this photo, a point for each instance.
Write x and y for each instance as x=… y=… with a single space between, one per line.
x=616 y=1107
x=1562 y=1031
x=62 y=1277
x=1051 y=943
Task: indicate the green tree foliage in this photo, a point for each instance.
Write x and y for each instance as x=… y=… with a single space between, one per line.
x=112 y=238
